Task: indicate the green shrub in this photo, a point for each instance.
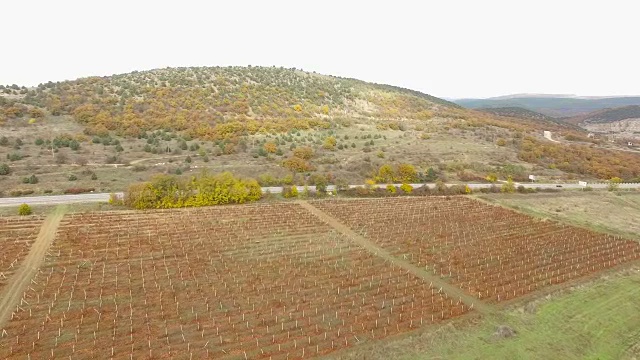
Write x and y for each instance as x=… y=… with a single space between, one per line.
x=30 y=180
x=24 y=210
x=5 y=169
x=391 y=189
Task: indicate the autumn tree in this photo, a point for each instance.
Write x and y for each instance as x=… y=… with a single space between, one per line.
x=406 y=173
x=297 y=164
x=385 y=174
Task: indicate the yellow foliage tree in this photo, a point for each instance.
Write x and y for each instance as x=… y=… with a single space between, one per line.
x=406 y=173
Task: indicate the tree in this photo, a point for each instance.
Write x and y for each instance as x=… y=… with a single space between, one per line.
x=321 y=182
x=385 y=174
x=509 y=186
x=24 y=210
x=407 y=173
x=431 y=175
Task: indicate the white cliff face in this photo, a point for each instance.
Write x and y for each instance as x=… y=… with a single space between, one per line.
x=626 y=127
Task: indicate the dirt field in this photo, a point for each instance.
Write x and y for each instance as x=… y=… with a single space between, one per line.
x=377 y=278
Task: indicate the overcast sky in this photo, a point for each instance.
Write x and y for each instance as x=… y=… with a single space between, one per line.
x=449 y=49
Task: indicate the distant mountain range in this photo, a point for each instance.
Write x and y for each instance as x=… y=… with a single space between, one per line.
x=558 y=106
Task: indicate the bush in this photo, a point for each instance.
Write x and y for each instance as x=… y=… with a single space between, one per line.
x=303 y=152
x=406 y=188
x=290 y=192
x=614 y=183
x=114 y=199
x=72 y=177
x=17 y=193
x=5 y=169
x=24 y=210
x=14 y=157
x=297 y=164
x=166 y=191
x=30 y=180
x=508 y=187
x=391 y=189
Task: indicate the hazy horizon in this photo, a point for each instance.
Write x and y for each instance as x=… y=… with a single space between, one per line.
x=456 y=50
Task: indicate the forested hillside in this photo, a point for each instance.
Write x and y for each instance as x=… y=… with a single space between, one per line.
x=609 y=115
x=221 y=103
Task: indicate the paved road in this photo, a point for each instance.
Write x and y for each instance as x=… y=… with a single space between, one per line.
x=104 y=197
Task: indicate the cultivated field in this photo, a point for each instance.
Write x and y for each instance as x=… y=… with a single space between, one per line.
x=491 y=252
x=259 y=281
x=288 y=280
x=16 y=237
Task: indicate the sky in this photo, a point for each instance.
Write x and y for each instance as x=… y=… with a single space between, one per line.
x=450 y=49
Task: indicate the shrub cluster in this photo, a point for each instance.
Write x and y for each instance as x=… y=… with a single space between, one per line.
x=166 y=191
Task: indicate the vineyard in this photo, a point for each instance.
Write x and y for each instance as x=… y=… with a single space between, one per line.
x=493 y=253
x=280 y=281
x=235 y=282
x=16 y=237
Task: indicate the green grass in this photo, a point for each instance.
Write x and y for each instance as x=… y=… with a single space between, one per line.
x=601 y=321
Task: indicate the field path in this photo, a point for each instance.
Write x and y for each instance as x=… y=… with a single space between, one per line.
x=451 y=290
x=18 y=283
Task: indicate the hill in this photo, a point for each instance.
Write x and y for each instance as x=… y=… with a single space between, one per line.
x=609 y=115
x=221 y=102
x=622 y=123
x=560 y=106
x=280 y=126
